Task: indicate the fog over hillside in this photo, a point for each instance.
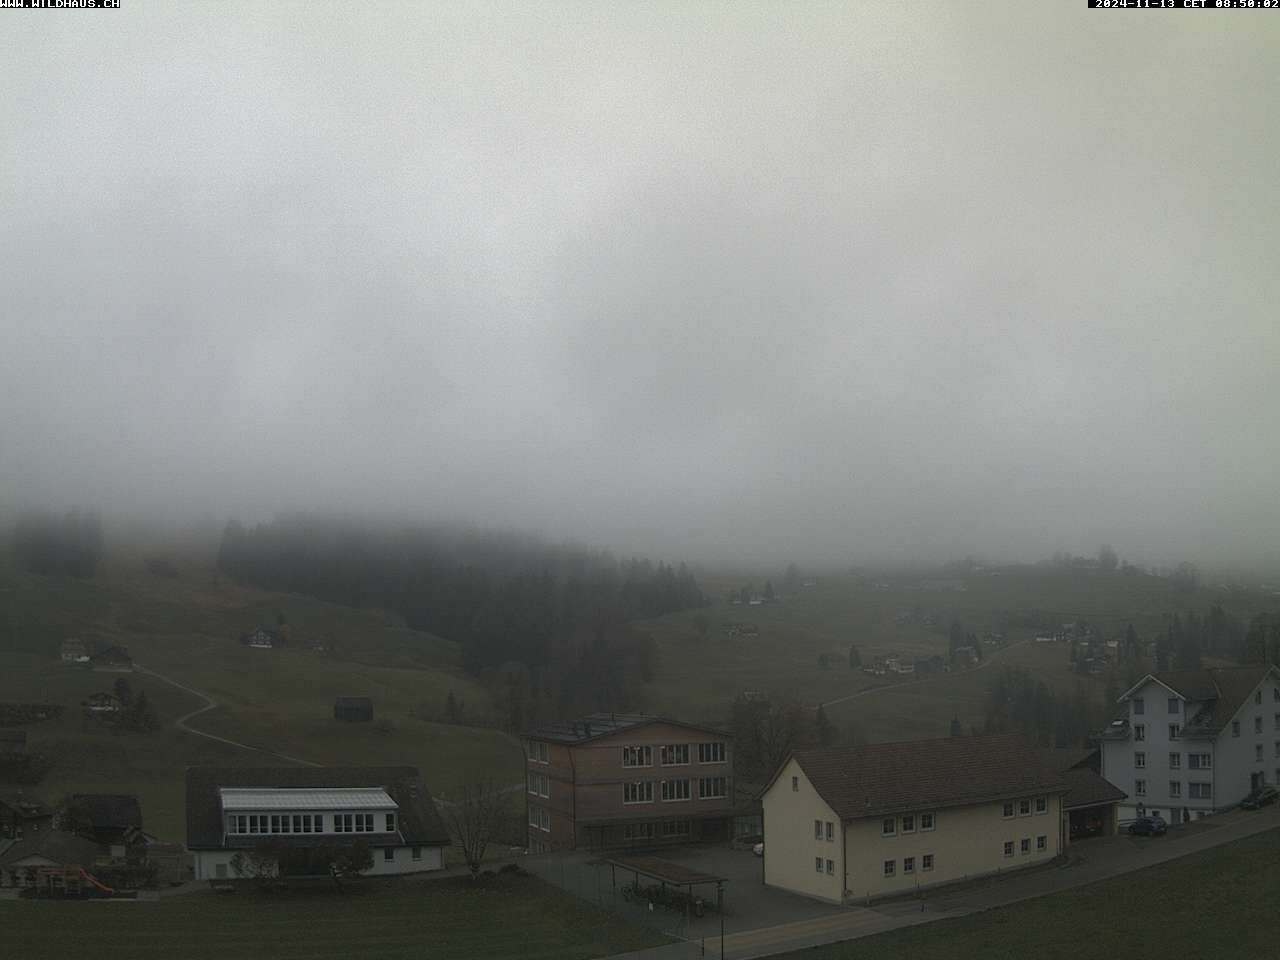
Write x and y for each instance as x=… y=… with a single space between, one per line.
x=727 y=282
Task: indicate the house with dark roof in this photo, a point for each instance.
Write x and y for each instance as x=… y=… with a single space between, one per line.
x=1189 y=743
x=21 y=863
x=627 y=780
x=21 y=816
x=111 y=819
x=230 y=809
x=850 y=824
x=1090 y=807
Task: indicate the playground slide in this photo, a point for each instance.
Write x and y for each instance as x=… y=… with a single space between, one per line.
x=95 y=883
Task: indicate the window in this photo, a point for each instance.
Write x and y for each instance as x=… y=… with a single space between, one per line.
x=390 y=823
x=675 y=790
x=1275 y=694
x=388 y=853
x=637 y=756
x=1200 y=761
x=1139 y=760
x=711 y=752
x=1024 y=808
x=540 y=818
x=909 y=823
x=1139 y=732
x=831 y=831
x=275 y=823
x=1008 y=848
x=1175 y=788
x=1174 y=730
x=908 y=865
x=926 y=862
x=1278 y=749
x=641 y=791
x=1175 y=761
x=817 y=864
x=1140 y=788
x=675 y=754
x=831 y=868
x=926 y=821
x=1277 y=721
x=1257 y=696
x=341 y=822
x=539 y=784
x=1257 y=724
x=1026 y=845
x=284 y=823
x=1235 y=728
x=1257 y=752
x=364 y=823
x=1139 y=706
x=1200 y=791
x=888 y=827
x=539 y=752
x=795 y=784
x=817 y=829
x=889 y=867
x=637 y=831
x=417 y=853
x=711 y=788
x=1042 y=804
x=1008 y=809
x=1042 y=842
x=675 y=828
x=1175 y=705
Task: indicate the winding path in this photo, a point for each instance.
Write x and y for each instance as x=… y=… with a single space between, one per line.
x=210 y=704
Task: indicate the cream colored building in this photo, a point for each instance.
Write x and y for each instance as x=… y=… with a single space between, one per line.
x=859 y=823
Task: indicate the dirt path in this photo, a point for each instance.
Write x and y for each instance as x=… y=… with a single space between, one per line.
x=210 y=704
x=915 y=683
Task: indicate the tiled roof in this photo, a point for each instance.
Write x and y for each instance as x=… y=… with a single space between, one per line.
x=61 y=848
x=599 y=725
x=108 y=811
x=916 y=775
x=418 y=819
x=1089 y=789
x=1223 y=690
x=294 y=798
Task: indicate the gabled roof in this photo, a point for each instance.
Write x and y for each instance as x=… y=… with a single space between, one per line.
x=922 y=774
x=108 y=811
x=600 y=725
x=418 y=820
x=61 y=848
x=1223 y=690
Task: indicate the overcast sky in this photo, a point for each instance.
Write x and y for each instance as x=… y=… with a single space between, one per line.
x=727 y=282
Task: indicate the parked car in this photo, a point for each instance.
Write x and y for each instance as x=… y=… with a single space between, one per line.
x=1148 y=827
x=1262 y=797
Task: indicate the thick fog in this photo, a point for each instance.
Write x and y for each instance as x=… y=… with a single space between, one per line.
x=727 y=282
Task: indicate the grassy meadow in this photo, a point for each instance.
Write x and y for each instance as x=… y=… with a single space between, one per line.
x=1211 y=905
x=280 y=700
x=379 y=919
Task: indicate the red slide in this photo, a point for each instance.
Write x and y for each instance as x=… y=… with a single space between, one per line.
x=95 y=883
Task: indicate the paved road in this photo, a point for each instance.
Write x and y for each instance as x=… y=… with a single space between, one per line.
x=987 y=661
x=210 y=704
x=1087 y=862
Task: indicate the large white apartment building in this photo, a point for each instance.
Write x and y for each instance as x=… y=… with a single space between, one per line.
x=1192 y=742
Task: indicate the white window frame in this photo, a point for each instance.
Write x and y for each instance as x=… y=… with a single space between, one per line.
x=1042 y=805
x=642 y=790
x=908 y=865
x=1139 y=759
x=675 y=750
x=1008 y=809
x=817 y=864
x=831 y=867
x=640 y=755
x=713 y=788
x=831 y=832
x=1175 y=761
x=673 y=787
x=1024 y=807
x=926 y=863
x=890 y=869
x=1140 y=787
x=932 y=819
x=1139 y=732
x=713 y=751
x=1008 y=848
x=1024 y=846
x=1175 y=789
x=892 y=824
x=1042 y=843
x=817 y=829
x=908 y=823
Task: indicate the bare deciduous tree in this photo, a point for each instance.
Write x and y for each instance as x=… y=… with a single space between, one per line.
x=475 y=814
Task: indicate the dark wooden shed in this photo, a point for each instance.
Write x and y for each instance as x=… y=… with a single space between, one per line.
x=353 y=709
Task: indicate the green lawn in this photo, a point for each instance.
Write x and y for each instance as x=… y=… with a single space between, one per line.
x=280 y=700
x=409 y=918
x=1213 y=905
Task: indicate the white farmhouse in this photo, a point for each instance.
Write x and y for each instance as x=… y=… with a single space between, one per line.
x=1192 y=742
x=856 y=823
x=239 y=808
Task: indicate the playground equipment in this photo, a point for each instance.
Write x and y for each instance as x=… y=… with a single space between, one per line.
x=68 y=881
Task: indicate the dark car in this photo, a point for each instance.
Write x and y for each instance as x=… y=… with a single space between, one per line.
x=1262 y=797
x=1148 y=827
